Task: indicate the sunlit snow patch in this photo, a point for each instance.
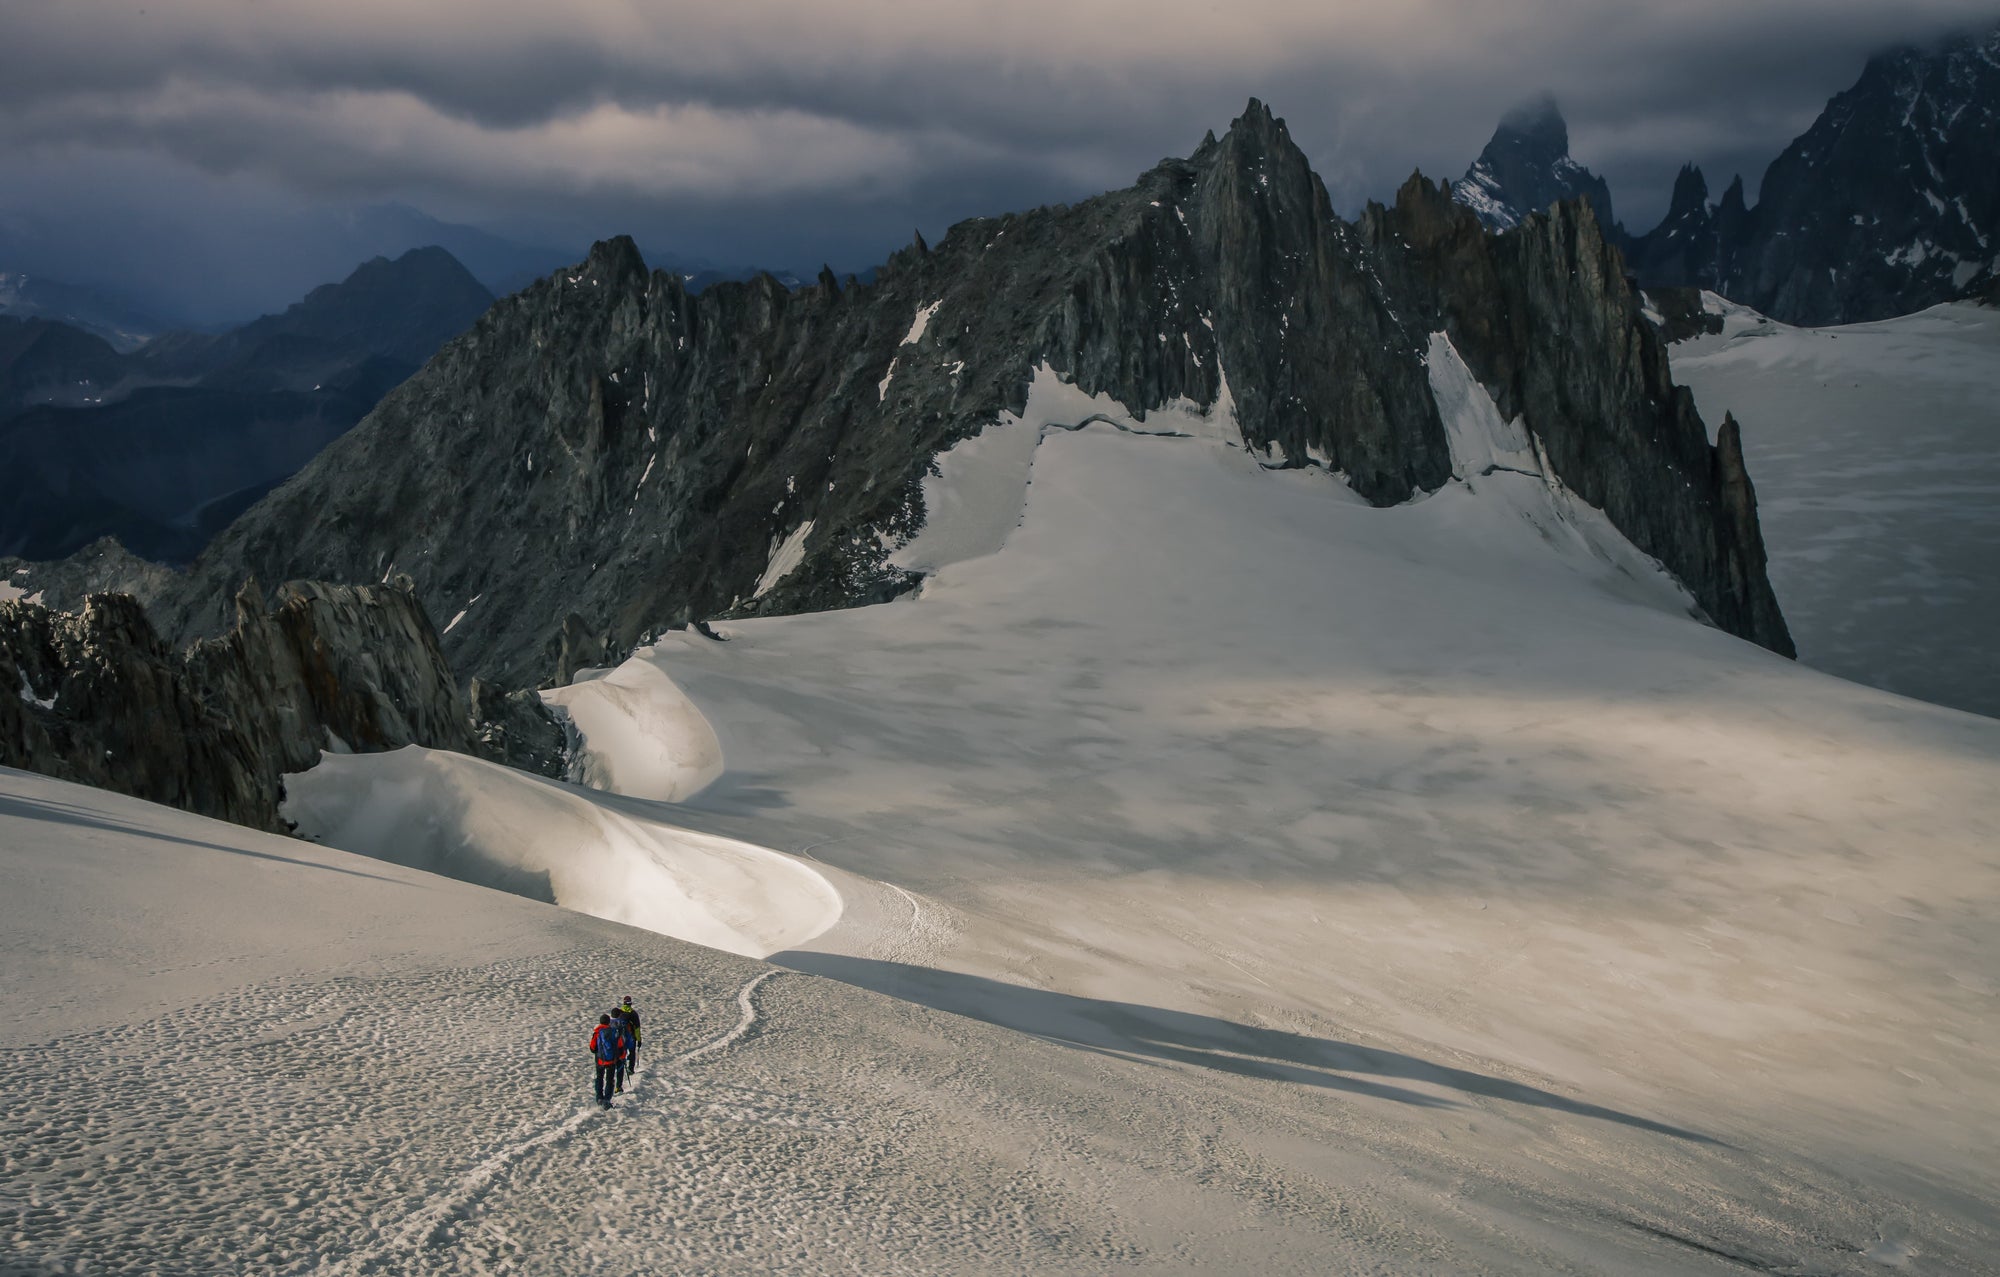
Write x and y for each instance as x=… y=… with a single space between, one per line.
x=916 y=334
x=483 y=823
x=786 y=555
x=977 y=495
x=1482 y=441
x=1501 y=460
x=639 y=736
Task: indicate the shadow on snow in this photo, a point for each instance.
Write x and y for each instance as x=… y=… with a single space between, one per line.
x=1129 y=1030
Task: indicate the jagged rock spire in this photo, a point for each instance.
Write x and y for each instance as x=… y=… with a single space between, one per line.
x=615 y=261
x=1526 y=166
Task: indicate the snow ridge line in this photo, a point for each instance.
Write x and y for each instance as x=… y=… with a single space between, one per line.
x=429 y=1218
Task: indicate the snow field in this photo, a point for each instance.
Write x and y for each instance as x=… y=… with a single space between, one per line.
x=1313 y=888
x=1461 y=776
x=363 y=1069
x=1169 y=739
x=976 y=497
x=1875 y=449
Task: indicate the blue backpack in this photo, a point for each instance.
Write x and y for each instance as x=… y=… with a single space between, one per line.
x=608 y=1041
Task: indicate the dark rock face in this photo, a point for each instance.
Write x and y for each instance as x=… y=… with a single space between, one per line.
x=102 y=700
x=606 y=455
x=96 y=697
x=1740 y=562
x=353 y=668
x=1526 y=167
x=1889 y=203
x=1679 y=314
x=163 y=447
x=1617 y=431
x=1681 y=252
x=517 y=730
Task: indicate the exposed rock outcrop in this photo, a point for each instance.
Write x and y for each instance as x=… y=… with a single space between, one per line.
x=102 y=567
x=1700 y=245
x=95 y=697
x=1679 y=314
x=517 y=730
x=351 y=668
x=103 y=700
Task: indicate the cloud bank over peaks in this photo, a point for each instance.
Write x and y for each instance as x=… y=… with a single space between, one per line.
x=794 y=130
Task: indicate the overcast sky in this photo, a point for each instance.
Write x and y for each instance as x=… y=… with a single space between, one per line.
x=788 y=132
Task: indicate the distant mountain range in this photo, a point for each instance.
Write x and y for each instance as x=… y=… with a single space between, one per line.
x=130 y=274
x=123 y=324
x=163 y=445
x=1889 y=203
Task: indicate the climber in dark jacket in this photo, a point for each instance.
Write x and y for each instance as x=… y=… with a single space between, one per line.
x=632 y=1026
x=624 y=1032
x=607 y=1049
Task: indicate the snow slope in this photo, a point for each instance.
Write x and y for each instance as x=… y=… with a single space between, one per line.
x=1218 y=741
x=1875 y=449
x=1315 y=888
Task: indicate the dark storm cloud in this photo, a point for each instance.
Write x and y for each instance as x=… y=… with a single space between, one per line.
x=794 y=130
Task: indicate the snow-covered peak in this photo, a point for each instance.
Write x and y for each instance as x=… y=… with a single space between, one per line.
x=1526 y=166
x=1479 y=190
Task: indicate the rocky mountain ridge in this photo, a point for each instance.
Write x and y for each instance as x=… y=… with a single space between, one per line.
x=400 y=311
x=1888 y=204
x=605 y=455
x=1600 y=398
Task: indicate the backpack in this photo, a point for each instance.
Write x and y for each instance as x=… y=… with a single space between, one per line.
x=606 y=1045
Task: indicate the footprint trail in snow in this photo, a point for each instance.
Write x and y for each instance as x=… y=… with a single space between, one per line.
x=423 y=1225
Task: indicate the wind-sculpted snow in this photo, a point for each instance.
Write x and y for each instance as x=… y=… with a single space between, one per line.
x=1877 y=454
x=594 y=853
x=637 y=735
